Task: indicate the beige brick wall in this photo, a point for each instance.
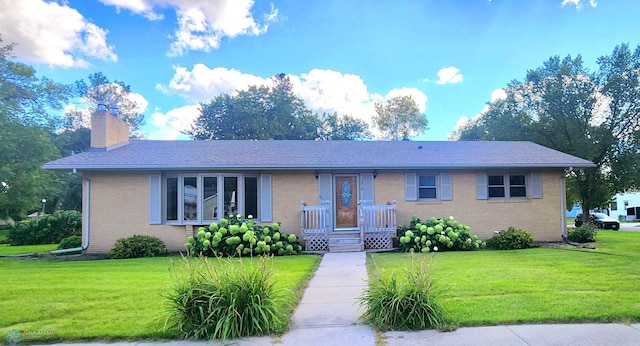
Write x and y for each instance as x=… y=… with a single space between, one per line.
x=288 y=190
x=542 y=217
x=119 y=206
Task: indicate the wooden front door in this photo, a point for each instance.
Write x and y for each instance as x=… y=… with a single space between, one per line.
x=346 y=193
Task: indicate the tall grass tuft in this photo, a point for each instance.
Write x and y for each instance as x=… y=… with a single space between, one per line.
x=227 y=300
x=406 y=301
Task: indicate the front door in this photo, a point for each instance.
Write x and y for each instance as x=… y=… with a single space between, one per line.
x=346 y=193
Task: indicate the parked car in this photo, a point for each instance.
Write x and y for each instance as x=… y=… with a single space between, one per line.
x=600 y=220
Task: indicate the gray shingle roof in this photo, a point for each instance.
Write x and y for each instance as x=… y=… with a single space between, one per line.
x=272 y=154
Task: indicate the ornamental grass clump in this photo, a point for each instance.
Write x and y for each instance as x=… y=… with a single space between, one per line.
x=434 y=234
x=225 y=300
x=408 y=300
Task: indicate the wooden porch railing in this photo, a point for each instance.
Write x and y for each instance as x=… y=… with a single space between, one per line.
x=378 y=225
x=314 y=226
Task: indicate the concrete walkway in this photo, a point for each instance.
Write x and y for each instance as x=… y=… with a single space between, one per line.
x=328 y=314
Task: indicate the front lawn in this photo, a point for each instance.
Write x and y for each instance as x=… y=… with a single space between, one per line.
x=106 y=299
x=6 y=249
x=553 y=285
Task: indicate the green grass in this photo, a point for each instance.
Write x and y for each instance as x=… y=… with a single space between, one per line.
x=555 y=285
x=570 y=221
x=106 y=299
x=6 y=249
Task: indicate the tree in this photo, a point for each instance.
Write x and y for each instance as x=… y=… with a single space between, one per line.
x=26 y=127
x=25 y=97
x=112 y=93
x=256 y=113
x=595 y=116
x=400 y=118
x=334 y=127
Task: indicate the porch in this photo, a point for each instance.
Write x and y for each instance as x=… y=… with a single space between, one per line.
x=375 y=231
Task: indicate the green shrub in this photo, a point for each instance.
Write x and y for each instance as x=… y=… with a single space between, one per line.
x=511 y=239
x=137 y=246
x=586 y=233
x=71 y=242
x=225 y=301
x=406 y=301
x=437 y=235
x=237 y=236
x=47 y=229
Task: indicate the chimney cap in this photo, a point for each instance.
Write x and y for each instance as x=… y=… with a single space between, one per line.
x=102 y=107
x=113 y=110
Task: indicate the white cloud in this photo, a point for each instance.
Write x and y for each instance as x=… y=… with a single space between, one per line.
x=578 y=3
x=449 y=75
x=322 y=90
x=52 y=34
x=141 y=7
x=170 y=125
x=203 y=83
x=203 y=24
x=498 y=94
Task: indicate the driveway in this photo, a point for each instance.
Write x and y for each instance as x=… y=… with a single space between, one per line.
x=630 y=226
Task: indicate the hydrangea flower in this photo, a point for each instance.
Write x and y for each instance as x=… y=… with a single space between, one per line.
x=435 y=248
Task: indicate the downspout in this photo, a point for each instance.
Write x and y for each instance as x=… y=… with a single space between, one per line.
x=85 y=222
x=563 y=207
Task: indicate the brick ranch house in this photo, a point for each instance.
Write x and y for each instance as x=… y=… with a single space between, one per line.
x=329 y=192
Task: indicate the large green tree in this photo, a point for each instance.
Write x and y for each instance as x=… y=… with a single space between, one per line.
x=346 y=127
x=275 y=112
x=256 y=113
x=26 y=136
x=400 y=118
x=100 y=89
x=592 y=115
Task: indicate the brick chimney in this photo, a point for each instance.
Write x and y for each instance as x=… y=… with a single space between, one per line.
x=107 y=128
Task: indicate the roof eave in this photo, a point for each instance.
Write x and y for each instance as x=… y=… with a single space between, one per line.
x=316 y=167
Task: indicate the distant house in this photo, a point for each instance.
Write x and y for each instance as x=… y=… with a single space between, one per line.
x=625 y=206
x=321 y=190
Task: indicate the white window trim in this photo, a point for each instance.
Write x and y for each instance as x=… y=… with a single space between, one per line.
x=200 y=206
x=437 y=185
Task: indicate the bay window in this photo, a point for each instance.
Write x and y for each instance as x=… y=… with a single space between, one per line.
x=204 y=198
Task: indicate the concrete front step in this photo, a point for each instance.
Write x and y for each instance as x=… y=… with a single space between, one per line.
x=344 y=234
x=345 y=245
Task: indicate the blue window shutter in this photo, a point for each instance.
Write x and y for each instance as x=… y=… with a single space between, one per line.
x=536 y=185
x=265 y=211
x=481 y=186
x=155 y=199
x=446 y=191
x=410 y=187
x=367 y=187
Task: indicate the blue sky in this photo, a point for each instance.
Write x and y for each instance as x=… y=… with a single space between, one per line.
x=342 y=55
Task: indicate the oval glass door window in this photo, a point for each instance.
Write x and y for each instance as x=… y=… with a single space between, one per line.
x=346 y=194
